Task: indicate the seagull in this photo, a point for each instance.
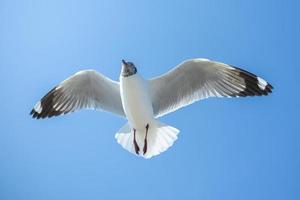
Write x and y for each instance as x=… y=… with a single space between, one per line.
x=143 y=101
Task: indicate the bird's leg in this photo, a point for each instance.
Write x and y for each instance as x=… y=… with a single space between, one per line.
x=136 y=147
x=145 y=141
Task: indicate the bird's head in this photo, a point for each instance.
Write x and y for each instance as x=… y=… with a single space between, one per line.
x=128 y=69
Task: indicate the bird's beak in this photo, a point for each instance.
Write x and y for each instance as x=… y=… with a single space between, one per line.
x=124 y=62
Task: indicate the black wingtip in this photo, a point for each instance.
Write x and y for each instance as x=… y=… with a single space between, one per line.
x=255 y=86
x=34 y=114
x=269 y=88
x=45 y=108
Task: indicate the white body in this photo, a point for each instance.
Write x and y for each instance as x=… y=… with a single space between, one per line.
x=137 y=105
x=136 y=101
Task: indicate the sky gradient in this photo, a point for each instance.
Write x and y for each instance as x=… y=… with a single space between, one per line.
x=229 y=149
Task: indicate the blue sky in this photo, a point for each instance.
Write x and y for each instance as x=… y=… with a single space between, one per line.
x=245 y=148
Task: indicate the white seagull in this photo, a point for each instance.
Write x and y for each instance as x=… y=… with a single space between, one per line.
x=142 y=101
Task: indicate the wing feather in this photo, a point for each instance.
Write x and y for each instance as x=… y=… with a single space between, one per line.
x=197 y=79
x=86 y=89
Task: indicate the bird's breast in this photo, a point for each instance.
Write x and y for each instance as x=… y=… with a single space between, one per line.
x=136 y=101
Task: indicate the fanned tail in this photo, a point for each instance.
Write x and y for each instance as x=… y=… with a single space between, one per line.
x=160 y=137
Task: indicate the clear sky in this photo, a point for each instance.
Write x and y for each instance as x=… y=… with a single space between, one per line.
x=229 y=149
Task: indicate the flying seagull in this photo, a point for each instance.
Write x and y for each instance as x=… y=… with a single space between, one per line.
x=142 y=101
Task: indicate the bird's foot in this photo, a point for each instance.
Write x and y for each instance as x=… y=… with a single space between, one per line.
x=136 y=147
x=145 y=141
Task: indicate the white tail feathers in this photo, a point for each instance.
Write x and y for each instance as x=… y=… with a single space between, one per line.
x=125 y=138
x=160 y=137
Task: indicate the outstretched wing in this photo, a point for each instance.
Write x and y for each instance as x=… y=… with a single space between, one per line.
x=86 y=89
x=198 y=79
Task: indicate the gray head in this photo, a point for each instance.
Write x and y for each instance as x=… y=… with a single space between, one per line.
x=128 y=69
